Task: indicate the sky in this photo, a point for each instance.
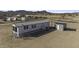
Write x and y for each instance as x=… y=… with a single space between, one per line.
x=63 y=11
x=38 y=5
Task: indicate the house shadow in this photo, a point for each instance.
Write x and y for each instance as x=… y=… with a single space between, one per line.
x=39 y=33
x=69 y=29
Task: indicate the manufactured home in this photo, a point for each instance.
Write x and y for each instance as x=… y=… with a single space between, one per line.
x=30 y=26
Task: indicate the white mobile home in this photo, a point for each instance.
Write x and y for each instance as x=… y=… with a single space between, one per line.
x=29 y=26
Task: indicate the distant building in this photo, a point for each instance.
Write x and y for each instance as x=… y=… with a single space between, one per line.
x=26 y=15
x=8 y=19
x=18 y=15
x=11 y=18
x=23 y=18
x=26 y=27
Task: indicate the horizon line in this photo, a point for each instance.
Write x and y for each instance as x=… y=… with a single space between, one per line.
x=52 y=11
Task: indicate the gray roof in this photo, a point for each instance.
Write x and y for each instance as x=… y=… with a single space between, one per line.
x=31 y=22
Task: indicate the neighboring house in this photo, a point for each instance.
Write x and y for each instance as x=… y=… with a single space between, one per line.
x=30 y=26
x=14 y=19
x=26 y=15
x=18 y=15
x=23 y=18
x=11 y=19
x=8 y=19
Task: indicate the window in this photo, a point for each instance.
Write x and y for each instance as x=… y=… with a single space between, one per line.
x=34 y=26
x=25 y=27
x=15 y=29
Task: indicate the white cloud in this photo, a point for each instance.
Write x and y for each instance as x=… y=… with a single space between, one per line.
x=39 y=4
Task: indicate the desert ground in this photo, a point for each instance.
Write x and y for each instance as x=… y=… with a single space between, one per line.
x=52 y=39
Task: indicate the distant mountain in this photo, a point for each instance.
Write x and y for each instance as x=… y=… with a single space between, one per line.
x=4 y=14
x=23 y=12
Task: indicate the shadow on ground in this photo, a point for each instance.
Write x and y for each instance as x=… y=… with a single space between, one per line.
x=69 y=29
x=39 y=33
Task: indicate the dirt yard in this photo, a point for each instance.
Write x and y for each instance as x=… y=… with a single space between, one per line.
x=53 y=39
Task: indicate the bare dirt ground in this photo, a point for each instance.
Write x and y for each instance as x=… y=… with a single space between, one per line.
x=54 y=39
